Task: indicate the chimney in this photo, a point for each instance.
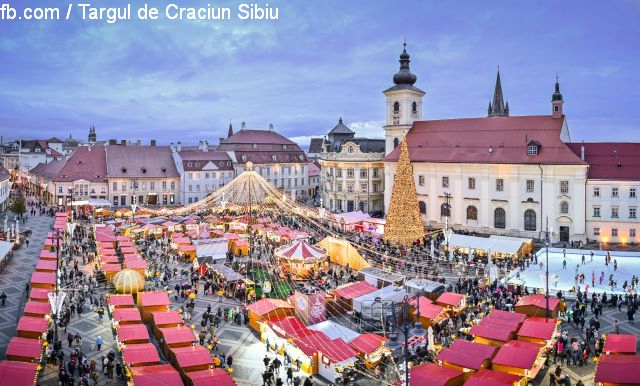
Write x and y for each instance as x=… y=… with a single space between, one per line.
x=113 y=142
x=153 y=142
x=123 y=142
x=271 y=127
x=179 y=146
x=243 y=126
x=582 y=152
x=205 y=145
x=138 y=142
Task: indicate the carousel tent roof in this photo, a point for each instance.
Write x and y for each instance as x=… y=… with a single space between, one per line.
x=301 y=251
x=164 y=375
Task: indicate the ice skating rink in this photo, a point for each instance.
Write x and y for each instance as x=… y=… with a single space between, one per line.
x=564 y=279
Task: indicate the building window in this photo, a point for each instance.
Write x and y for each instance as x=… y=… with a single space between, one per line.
x=632 y=233
x=472 y=213
x=376 y=187
x=596 y=211
x=173 y=186
x=529 y=220
x=596 y=231
x=350 y=149
x=445 y=210
x=614 y=192
x=472 y=183
x=445 y=182
x=532 y=150
x=614 y=212
x=339 y=187
x=531 y=186
x=632 y=212
x=564 y=187
x=499 y=218
x=614 y=232
x=564 y=207
x=499 y=185
x=414 y=108
x=632 y=193
x=375 y=173
x=596 y=192
x=349 y=173
x=423 y=207
x=114 y=186
x=339 y=173
x=363 y=188
x=152 y=185
x=421 y=180
x=395 y=143
x=363 y=173
x=396 y=107
x=164 y=185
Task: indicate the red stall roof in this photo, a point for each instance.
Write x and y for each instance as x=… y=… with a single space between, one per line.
x=174 y=335
x=39 y=293
x=512 y=317
x=164 y=375
x=111 y=259
x=620 y=344
x=450 y=298
x=20 y=373
x=430 y=311
x=140 y=353
x=538 y=300
x=32 y=324
x=265 y=306
x=47 y=254
x=126 y=315
x=111 y=267
x=432 y=374
x=467 y=354
x=517 y=354
x=618 y=369
x=25 y=347
x=46 y=264
x=211 y=377
x=310 y=343
x=192 y=356
x=128 y=332
x=166 y=317
x=39 y=308
x=353 y=290
x=289 y=327
x=43 y=278
x=491 y=330
x=367 y=343
x=486 y=377
x=120 y=300
x=338 y=351
x=128 y=250
x=136 y=264
x=156 y=298
x=539 y=328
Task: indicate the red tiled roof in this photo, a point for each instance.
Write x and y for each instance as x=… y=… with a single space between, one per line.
x=258 y=137
x=610 y=160
x=260 y=147
x=467 y=354
x=432 y=374
x=469 y=140
x=194 y=160
x=153 y=159
x=618 y=369
x=48 y=171
x=85 y=163
x=314 y=170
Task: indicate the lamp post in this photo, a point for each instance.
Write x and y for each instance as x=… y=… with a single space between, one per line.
x=546 y=248
x=417 y=330
x=447 y=197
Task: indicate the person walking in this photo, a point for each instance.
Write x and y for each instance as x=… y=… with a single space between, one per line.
x=98 y=342
x=617 y=326
x=3 y=298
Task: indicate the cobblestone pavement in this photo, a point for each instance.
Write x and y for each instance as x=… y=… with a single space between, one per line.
x=14 y=278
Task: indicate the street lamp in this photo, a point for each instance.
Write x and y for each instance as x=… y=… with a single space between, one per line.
x=417 y=330
x=56 y=299
x=546 y=248
x=447 y=208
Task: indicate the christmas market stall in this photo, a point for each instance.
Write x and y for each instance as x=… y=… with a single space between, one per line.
x=618 y=370
x=209 y=377
x=31 y=327
x=615 y=344
x=519 y=358
x=427 y=288
x=37 y=309
x=165 y=375
x=305 y=350
x=277 y=331
x=20 y=373
x=497 y=328
x=343 y=296
x=264 y=309
x=165 y=319
x=132 y=334
x=211 y=251
x=453 y=302
x=47 y=254
x=466 y=356
x=301 y=260
x=44 y=265
x=120 y=301
x=39 y=295
x=370 y=348
x=334 y=330
x=540 y=331
x=374 y=308
x=110 y=270
x=240 y=247
x=43 y=280
x=192 y=358
x=380 y=277
x=335 y=358
x=486 y=377
x=430 y=313
x=174 y=337
x=152 y=301
x=143 y=354
x=434 y=375
x=535 y=305
x=24 y=350
x=126 y=316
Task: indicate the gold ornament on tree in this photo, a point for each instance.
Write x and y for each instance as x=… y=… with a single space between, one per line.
x=404 y=222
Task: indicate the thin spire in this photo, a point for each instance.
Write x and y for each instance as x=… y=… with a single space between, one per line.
x=230 y=133
x=498 y=108
x=557 y=96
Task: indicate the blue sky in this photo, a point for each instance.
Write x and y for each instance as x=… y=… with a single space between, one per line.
x=170 y=80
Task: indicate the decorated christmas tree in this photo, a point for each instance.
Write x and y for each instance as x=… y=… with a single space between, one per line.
x=404 y=222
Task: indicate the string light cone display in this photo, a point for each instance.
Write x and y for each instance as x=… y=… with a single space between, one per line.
x=128 y=281
x=404 y=222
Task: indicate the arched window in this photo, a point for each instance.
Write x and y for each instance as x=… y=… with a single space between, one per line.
x=556 y=108
x=530 y=220
x=396 y=107
x=499 y=218
x=414 y=107
x=564 y=207
x=445 y=210
x=423 y=207
x=472 y=213
x=395 y=142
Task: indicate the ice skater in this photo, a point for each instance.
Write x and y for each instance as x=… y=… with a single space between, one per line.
x=564 y=263
x=582 y=259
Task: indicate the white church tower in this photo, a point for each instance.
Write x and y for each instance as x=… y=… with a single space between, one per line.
x=404 y=104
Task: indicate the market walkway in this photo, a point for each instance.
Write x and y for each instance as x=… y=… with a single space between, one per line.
x=17 y=274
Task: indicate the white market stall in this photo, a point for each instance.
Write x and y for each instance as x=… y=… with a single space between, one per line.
x=334 y=330
x=211 y=251
x=497 y=246
x=378 y=305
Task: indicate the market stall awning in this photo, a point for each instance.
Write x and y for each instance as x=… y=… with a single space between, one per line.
x=450 y=299
x=309 y=344
x=43 y=278
x=368 y=343
x=192 y=356
x=518 y=354
x=129 y=332
x=20 y=373
x=226 y=272
x=46 y=265
x=161 y=318
x=39 y=294
x=126 y=315
x=173 y=335
x=512 y=317
x=289 y=327
x=140 y=354
x=24 y=347
x=540 y=328
x=158 y=375
x=338 y=351
x=267 y=305
x=433 y=375
x=335 y=330
x=618 y=369
x=620 y=344
x=151 y=299
x=32 y=324
x=538 y=300
x=467 y=354
x=486 y=377
x=211 y=377
x=351 y=291
x=37 y=308
x=494 y=330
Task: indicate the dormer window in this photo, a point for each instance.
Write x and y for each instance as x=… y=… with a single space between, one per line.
x=255 y=145
x=301 y=157
x=273 y=157
x=189 y=164
x=144 y=170
x=284 y=147
x=533 y=148
x=221 y=163
x=244 y=158
x=197 y=163
x=228 y=163
x=350 y=149
x=123 y=170
x=164 y=170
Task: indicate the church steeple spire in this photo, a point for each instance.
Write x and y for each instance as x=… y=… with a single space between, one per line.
x=230 y=132
x=498 y=108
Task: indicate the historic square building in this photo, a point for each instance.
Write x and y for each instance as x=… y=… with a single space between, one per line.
x=507 y=174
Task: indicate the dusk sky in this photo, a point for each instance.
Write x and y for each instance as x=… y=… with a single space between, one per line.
x=181 y=80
